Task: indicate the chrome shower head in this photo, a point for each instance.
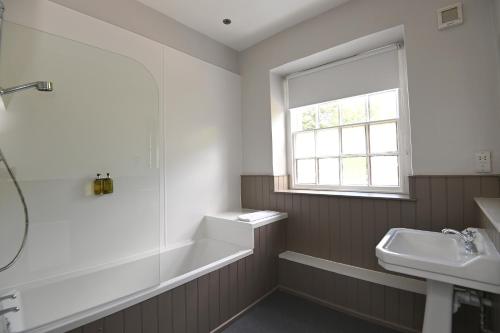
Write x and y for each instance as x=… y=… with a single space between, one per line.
x=39 y=85
x=44 y=86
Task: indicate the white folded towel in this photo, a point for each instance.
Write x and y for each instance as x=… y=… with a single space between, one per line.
x=250 y=217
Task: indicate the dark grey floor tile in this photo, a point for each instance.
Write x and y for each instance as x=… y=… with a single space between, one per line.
x=281 y=312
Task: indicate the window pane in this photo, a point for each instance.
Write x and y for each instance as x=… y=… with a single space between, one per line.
x=385 y=171
x=304 y=145
x=384 y=105
x=353 y=110
x=303 y=118
x=354 y=171
x=328 y=115
x=329 y=171
x=383 y=138
x=306 y=171
x=327 y=142
x=354 y=140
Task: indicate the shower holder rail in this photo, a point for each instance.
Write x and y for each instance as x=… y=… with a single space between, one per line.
x=9 y=303
x=9 y=310
x=6 y=297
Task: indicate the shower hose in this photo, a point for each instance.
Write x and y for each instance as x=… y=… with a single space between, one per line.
x=26 y=219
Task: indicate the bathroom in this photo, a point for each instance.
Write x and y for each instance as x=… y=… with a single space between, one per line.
x=264 y=166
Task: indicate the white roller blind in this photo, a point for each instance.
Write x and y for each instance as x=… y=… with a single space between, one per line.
x=375 y=71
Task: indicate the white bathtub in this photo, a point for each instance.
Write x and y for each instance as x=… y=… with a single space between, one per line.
x=69 y=301
x=64 y=303
x=194 y=259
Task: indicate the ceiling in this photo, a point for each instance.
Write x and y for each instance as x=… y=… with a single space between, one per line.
x=253 y=20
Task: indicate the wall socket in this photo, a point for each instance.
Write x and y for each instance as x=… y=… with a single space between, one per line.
x=483 y=162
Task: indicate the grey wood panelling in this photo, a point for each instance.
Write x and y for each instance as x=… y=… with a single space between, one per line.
x=203 y=305
x=192 y=307
x=95 y=327
x=391 y=307
x=179 y=309
x=165 y=321
x=398 y=309
x=207 y=302
x=149 y=315
x=213 y=299
x=132 y=319
x=114 y=323
x=346 y=230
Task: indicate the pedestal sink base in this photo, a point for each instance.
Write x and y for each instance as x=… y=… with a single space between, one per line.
x=438 y=307
x=440 y=257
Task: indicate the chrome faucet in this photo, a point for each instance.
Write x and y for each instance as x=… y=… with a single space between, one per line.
x=467 y=236
x=8 y=310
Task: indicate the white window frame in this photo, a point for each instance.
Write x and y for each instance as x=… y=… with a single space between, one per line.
x=403 y=134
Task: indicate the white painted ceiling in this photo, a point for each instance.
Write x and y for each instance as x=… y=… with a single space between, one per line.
x=253 y=20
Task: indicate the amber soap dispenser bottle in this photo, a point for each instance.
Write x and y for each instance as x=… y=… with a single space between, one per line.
x=98 y=185
x=107 y=185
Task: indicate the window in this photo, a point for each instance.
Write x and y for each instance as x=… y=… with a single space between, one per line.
x=348 y=144
x=348 y=123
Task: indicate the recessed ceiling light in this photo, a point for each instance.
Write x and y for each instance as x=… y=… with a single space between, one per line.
x=226 y=21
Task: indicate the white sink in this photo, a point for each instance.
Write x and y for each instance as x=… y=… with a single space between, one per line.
x=441 y=257
x=443 y=261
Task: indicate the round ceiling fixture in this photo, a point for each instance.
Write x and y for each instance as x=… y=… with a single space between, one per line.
x=226 y=21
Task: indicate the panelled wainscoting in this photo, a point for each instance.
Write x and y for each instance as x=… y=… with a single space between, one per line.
x=346 y=230
x=398 y=309
x=207 y=303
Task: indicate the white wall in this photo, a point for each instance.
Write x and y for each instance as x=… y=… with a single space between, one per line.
x=496 y=21
x=199 y=155
x=453 y=89
x=496 y=15
x=203 y=142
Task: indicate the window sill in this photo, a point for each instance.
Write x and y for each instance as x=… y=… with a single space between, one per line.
x=362 y=195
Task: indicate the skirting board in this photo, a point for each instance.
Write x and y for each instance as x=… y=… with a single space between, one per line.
x=231 y=320
x=385 y=279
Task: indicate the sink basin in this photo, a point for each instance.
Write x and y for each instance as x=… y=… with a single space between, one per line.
x=429 y=246
x=442 y=260
x=441 y=257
